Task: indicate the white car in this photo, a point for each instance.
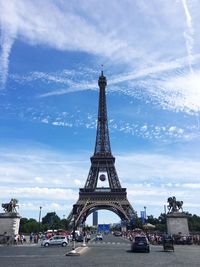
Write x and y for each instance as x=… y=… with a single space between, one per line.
x=55 y=240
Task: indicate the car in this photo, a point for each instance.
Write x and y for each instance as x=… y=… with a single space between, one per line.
x=140 y=244
x=55 y=240
x=99 y=237
x=168 y=243
x=117 y=233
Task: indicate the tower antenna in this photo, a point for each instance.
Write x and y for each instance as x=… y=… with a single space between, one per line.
x=101 y=69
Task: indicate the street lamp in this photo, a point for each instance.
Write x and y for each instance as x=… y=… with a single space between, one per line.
x=74 y=226
x=74 y=213
x=40 y=217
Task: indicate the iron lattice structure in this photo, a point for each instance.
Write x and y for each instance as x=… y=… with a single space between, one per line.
x=113 y=197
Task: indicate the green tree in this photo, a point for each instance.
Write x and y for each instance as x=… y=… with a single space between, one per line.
x=64 y=224
x=152 y=220
x=52 y=220
x=194 y=222
x=28 y=225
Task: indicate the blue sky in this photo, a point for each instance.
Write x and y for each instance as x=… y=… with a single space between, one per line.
x=50 y=60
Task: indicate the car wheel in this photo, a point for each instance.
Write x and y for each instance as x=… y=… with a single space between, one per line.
x=46 y=244
x=64 y=244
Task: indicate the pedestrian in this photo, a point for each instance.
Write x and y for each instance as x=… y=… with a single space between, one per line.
x=16 y=239
x=31 y=238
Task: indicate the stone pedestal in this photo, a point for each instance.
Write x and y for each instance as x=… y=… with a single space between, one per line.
x=177 y=223
x=9 y=223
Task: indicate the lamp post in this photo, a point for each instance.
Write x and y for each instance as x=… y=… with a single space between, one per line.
x=40 y=217
x=73 y=251
x=74 y=227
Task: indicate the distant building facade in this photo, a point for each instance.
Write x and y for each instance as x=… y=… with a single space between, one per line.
x=95 y=218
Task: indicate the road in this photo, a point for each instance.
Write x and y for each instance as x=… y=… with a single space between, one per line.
x=111 y=252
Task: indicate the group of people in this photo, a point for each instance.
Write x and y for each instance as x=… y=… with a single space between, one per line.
x=157 y=239
x=21 y=239
x=34 y=238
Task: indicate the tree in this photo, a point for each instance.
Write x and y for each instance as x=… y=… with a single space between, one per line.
x=52 y=220
x=28 y=225
x=194 y=222
x=152 y=220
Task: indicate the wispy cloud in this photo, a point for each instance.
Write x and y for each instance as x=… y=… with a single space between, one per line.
x=166 y=84
x=188 y=34
x=8 y=32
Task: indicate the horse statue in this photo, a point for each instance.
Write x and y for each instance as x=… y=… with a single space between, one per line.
x=174 y=205
x=11 y=206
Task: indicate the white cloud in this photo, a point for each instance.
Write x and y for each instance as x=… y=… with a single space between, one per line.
x=61 y=28
x=180 y=92
x=157 y=170
x=30 y=167
x=38 y=193
x=39 y=180
x=195 y=186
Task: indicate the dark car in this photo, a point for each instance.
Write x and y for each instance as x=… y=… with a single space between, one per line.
x=140 y=243
x=168 y=243
x=117 y=233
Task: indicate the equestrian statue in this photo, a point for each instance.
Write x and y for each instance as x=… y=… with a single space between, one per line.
x=11 y=206
x=174 y=205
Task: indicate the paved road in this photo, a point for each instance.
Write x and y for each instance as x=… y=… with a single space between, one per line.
x=111 y=252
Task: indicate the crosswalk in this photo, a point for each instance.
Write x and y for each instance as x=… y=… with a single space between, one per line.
x=108 y=243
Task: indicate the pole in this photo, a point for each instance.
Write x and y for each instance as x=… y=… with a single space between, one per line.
x=74 y=235
x=40 y=217
x=74 y=212
x=73 y=251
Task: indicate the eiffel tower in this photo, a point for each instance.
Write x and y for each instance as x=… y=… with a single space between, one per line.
x=112 y=197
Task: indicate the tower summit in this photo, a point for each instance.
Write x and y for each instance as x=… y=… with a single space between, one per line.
x=102 y=146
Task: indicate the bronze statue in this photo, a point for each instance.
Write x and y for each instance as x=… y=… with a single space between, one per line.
x=174 y=205
x=11 y=206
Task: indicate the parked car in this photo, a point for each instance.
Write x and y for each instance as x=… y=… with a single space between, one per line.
x=140 y=243
x=55 y=240
x=99 y=237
